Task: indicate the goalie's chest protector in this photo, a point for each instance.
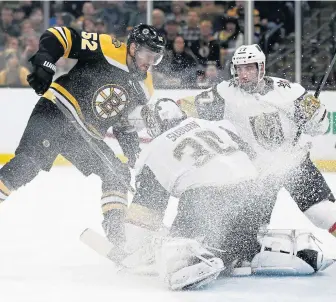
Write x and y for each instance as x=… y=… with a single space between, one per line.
x=265 y=121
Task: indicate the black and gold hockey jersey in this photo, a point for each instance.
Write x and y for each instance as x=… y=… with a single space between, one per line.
x=99 y=90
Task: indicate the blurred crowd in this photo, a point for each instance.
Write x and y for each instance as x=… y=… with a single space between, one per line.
x=201 y=36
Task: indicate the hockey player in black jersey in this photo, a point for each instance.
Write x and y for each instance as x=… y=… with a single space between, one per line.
x=108 y=82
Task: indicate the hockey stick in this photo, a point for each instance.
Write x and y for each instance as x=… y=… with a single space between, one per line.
x=97 y=243
x=127 y=262
x=317 y=93
x=102 y=246
x=88 y=138
x=324 y=79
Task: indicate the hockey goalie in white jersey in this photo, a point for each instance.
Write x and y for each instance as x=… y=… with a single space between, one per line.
x=207 y=166
x=270 y=114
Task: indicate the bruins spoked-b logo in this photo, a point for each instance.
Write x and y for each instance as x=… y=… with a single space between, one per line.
x=109 y=100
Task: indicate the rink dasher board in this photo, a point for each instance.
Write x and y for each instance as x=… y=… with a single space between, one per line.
x=17 y=104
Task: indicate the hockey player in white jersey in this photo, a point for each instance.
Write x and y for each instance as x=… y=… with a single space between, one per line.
x=207 y=166
x=269 y=113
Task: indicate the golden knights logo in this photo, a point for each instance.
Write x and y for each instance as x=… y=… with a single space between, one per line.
x=109 y=100
x=267 y=130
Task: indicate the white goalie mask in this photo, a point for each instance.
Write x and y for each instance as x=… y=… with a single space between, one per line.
x=162 y=116
x=249 y=54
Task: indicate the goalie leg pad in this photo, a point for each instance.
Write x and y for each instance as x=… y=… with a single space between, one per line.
x=185 y=264
x=197 y=275
x=289 y=252
x=270 y=263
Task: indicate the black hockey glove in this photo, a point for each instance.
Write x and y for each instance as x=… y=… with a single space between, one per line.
x=113 y=225
x=129 y=143
x=41 y=77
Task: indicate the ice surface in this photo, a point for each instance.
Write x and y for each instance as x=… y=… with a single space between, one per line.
x=42 y=259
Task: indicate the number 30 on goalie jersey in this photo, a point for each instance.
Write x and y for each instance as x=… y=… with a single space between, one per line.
x=205 y=145
x=197 y=153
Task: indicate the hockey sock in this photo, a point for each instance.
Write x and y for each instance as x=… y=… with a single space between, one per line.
x=4 y=191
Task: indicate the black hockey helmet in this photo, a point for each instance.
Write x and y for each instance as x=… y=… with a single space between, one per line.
x=147 y=36
x=162 y=116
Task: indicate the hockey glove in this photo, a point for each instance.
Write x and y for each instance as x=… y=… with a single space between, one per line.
x=311 y=115
x=306 y=107
x=41 y=77
x=129 y=143
x=114 y=226
x=318 y=123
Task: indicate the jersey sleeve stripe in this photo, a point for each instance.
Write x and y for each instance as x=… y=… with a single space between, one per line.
x=59 y=37
x=61 y=31
x=69 y=39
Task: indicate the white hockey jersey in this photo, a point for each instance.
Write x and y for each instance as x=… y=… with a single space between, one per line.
x=267 y=121
x=194 y=154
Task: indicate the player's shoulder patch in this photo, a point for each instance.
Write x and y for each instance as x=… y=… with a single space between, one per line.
x=292 y=90
x=114 y=51
x=282 y=83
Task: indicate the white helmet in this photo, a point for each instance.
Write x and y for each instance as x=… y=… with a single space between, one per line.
x=247 y=54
